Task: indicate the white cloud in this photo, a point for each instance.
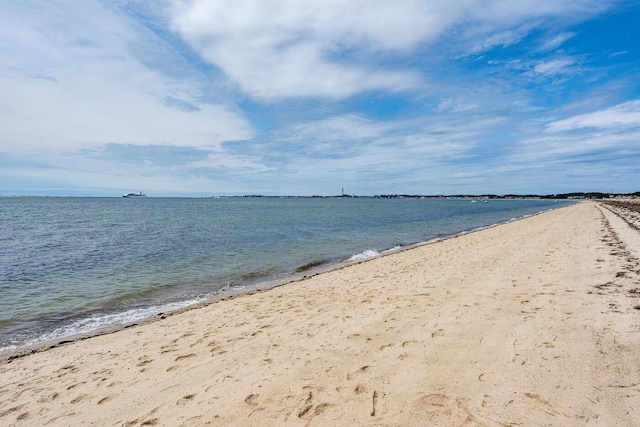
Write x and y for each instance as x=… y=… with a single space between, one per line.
x=557 y=41
x=329 y=148
x=621 y=115
x=502 y=39
x=455 y=106
x=614 y=54
x=89 y=112
x=73 y=76
x=422 y=155
x=508 y=11
x=554 y=67
x=603 y=151
x=283 y=48
x=275 y=49
x=445 y=105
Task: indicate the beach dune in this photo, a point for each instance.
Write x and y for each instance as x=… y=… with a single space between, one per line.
x=531 y=323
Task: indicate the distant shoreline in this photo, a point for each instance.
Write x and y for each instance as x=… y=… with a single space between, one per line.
x=559 y=196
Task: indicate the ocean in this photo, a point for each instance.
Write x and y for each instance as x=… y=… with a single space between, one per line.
x=77 y=266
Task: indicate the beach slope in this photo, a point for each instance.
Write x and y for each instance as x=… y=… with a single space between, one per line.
x=534 y=322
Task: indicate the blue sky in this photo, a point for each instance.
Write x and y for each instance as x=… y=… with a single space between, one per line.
x=301 y=97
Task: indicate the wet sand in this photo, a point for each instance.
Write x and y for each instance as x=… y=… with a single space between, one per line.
x=535 y=322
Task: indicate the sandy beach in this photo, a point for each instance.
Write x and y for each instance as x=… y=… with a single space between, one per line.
x=533 y=323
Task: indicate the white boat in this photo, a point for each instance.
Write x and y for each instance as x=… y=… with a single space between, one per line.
x=138 y=194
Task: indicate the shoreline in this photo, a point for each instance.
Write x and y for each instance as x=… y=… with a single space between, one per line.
x=38 y=345
x=533 y=322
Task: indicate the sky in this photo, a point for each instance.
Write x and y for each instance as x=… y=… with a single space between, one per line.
x=201 y=98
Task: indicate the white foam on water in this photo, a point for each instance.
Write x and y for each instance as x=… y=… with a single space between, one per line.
x=98 y=322
x=8 y=349
x=369 y=253
x=392 y=250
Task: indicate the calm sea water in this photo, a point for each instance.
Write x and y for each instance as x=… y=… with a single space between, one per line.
x=71 y=266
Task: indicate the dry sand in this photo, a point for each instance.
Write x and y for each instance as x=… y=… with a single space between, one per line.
x=530 y=323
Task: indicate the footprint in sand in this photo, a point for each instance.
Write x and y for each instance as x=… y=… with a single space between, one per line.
x=80 y=398
x=144 y=360
x=185 y=399
x=188 y=334
x=11 y=410
x=23 y=416
x=252 y=399
x=441 y=409
x=186 y=356
x=361 y=388
x=487 y=401
x=308 y=407
x=106 y=399
x=484 y=377
x=49 y=398
x=66 y=370
x=359 y=372
x=433 y=403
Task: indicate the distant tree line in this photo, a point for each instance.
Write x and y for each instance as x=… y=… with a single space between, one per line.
x=576 y=195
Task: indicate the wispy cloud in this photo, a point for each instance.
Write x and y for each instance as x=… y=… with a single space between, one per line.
x=352 y=150
x=554 y=67
x=626 y=114
x=614 y=54
x=501 y=40
x=557 y=41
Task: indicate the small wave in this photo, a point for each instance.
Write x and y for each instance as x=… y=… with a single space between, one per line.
x=369 y=253
x=8 y=349
x=391 y=250
x=309 y=266
x=97 y=322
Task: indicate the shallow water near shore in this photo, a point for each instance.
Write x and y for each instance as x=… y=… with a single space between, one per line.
x=72 y=266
